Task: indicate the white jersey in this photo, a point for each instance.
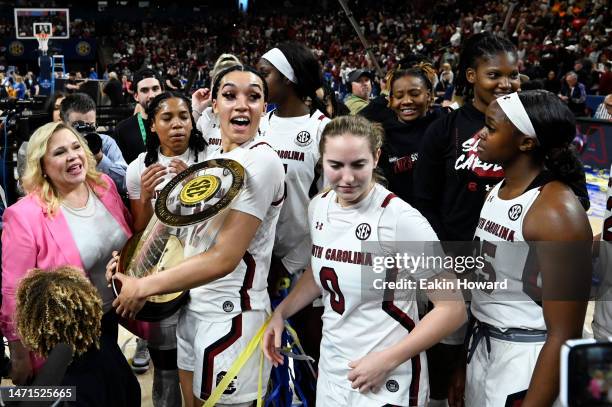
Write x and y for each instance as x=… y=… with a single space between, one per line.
x=509 y=260
x=355 y=322
x=208 y=124
x=137 y=167
x=296 y=141
x=602 y=317
x=245 y=288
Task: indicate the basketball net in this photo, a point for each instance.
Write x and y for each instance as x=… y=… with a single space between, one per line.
x=43 y=42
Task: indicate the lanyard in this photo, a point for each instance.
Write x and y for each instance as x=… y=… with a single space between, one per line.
x=143 y=132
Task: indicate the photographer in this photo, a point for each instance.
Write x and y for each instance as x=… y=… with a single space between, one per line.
x=79 y=111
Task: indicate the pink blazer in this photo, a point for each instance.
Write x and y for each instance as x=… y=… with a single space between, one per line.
x=31 y=238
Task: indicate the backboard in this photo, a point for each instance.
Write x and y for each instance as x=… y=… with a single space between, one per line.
x=27 y=20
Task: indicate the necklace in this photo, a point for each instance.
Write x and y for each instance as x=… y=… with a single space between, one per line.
x=84 y=212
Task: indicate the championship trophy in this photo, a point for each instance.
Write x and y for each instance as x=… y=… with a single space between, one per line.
x=189 y=213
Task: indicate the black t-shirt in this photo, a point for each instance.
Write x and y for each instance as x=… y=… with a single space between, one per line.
x=114 y=92
x=400 y=152
x=450 y=182
x=129 y=138
x=103 y=378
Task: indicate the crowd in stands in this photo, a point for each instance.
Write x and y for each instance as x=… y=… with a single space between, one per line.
x=569 y=36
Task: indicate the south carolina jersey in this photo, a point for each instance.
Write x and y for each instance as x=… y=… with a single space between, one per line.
x=357 y=323
x=208 y=124
x=507 y=258
x=245 y=288
x=602 y=318
x=296 y=141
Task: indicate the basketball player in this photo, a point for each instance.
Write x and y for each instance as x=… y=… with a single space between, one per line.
x=371 y=352
x=206 y=121
x=294 y=130
x=172 y=145
x=228 y=298
x=292 y=74
x=516 y=342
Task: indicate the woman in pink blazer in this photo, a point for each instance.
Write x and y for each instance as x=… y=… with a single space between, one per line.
x=72 y=215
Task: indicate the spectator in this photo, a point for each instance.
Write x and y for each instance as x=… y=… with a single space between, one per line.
x=113 y=89
x=360 y=81
x=20 y=88
x=130 y=134
x=73 y=84
x=552 y=84
x=79 y=111
x=573 y=93
x=172 y=82
x=93 y=74
x=605 y=80
x=604 y=110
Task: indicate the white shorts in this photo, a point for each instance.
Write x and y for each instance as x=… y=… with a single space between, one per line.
x=208 y=349
x=503 y=375
x=330 y=393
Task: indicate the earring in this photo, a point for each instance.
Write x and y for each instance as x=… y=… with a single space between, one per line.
x=45 y=176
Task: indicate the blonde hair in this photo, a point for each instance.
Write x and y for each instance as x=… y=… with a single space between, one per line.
x=58 y=306
x=223 y=62
x=34 y=179
x=357 y=126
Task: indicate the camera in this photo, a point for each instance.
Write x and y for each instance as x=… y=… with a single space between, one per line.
x=586 y=373
x=88 y=131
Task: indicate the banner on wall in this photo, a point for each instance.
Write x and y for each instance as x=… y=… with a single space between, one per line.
x=72 y=49
x=597 y=151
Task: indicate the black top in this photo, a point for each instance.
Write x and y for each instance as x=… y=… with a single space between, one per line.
x=450 y=182
x=400 y=152
x=103 y=378
x=129 y=139
x=114 y=91
x=377 y=110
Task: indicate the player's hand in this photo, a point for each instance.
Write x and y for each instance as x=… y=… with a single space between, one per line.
x=152 y=176
x=456 y=389
x=111 y=267
x=201 y=99
x=177 y=166
x=130 y=299
x=368 y=373
x=272 y=340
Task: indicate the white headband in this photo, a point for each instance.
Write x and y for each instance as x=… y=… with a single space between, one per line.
x=276 y=57
x=515 y=111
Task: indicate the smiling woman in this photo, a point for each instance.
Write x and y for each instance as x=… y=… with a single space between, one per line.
x=72 y=215
x=173 y=144
x=228 y=296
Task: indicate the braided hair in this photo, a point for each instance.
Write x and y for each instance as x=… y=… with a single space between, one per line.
x=555 y=127
x=196 y=140
x=423 y=70
x=479 y=46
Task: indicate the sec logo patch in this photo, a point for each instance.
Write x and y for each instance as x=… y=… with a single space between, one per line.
x=303 y=139
x=363 y=231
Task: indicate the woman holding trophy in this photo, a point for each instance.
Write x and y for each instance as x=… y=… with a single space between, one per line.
x=228 y=298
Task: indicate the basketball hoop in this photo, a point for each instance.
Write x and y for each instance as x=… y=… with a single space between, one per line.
x=43 y=41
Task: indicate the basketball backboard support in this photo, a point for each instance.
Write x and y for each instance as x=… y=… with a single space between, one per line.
x=56 y=20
